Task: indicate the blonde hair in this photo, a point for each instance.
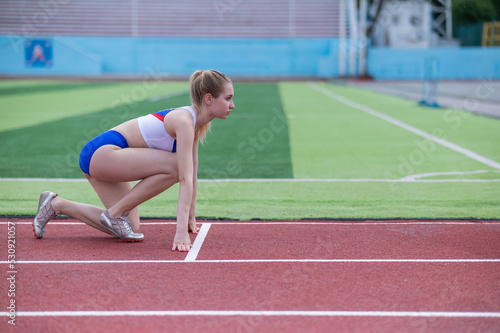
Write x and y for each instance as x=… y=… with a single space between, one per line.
x=204 y=82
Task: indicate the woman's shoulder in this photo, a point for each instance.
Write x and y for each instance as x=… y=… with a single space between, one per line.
x=181 y=113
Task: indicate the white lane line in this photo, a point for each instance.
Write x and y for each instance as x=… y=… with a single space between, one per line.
x=407 y=127
x=111 y=261
x=255 y=261
x=198 y=242
x=312 y=222
x=355 y=260
x=285 y=313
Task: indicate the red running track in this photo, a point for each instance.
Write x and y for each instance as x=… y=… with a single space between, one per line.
x=324 y=276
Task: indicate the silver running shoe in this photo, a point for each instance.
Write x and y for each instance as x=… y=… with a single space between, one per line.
x=120 y=227
x=44 y=214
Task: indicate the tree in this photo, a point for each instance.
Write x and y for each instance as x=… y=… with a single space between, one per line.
x=474 y=11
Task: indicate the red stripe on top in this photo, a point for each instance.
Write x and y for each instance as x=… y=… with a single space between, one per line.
x=159 y=116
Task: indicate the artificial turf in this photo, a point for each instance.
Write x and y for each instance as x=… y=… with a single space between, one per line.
x=284 y=130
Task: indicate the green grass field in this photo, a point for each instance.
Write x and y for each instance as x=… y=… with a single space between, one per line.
x=293 y=134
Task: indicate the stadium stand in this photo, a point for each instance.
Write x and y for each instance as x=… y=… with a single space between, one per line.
x=155 y=18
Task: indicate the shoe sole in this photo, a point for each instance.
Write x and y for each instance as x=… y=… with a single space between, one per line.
x=133 y=241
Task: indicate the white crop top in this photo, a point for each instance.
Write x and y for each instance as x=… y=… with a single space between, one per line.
x=154 y=133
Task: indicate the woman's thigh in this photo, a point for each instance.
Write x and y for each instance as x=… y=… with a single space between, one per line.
x=114 y=164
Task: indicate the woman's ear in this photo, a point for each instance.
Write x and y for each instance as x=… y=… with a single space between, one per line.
x=208 y=98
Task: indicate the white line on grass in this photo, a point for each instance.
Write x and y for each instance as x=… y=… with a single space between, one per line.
x=432 y=174
x=62 y=180
x=198 y=242
x=215 y=261
x=229 y=313
x=407 y=127
x=170 y=95
x=408 y=179
x=347 y=180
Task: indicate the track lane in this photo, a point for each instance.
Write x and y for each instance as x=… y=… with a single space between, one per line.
x=263 y=286
x=397 y=240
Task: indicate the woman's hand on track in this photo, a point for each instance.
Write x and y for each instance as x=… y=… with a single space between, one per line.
x=182 y=243
x=193 y=227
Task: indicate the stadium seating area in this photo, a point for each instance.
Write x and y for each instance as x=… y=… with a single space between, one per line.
x=156 y=18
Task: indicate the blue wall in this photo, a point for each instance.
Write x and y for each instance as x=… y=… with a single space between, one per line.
x=177 y=56
x=93 y=56
x=69 y=58
x=452 y=63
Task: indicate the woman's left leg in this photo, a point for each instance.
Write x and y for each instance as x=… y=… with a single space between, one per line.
x=146 y=189
x=110 y=193
x=118 y=197
x=114 y=165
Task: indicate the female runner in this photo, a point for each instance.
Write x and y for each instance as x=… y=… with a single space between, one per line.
x=159 y=149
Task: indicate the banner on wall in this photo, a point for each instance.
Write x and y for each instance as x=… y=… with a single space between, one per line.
x=38 y=53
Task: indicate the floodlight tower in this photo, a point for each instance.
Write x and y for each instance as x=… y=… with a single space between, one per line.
x=441 y=18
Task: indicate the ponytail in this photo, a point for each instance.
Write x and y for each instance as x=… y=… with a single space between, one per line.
x=204 y=82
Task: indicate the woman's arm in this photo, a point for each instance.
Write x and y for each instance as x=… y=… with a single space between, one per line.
x=184 y=131
x=192 y=211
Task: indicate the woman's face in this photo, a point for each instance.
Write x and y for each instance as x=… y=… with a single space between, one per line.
x=222 y=105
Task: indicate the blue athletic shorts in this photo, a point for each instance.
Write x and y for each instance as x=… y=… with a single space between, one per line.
x=106 y=138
